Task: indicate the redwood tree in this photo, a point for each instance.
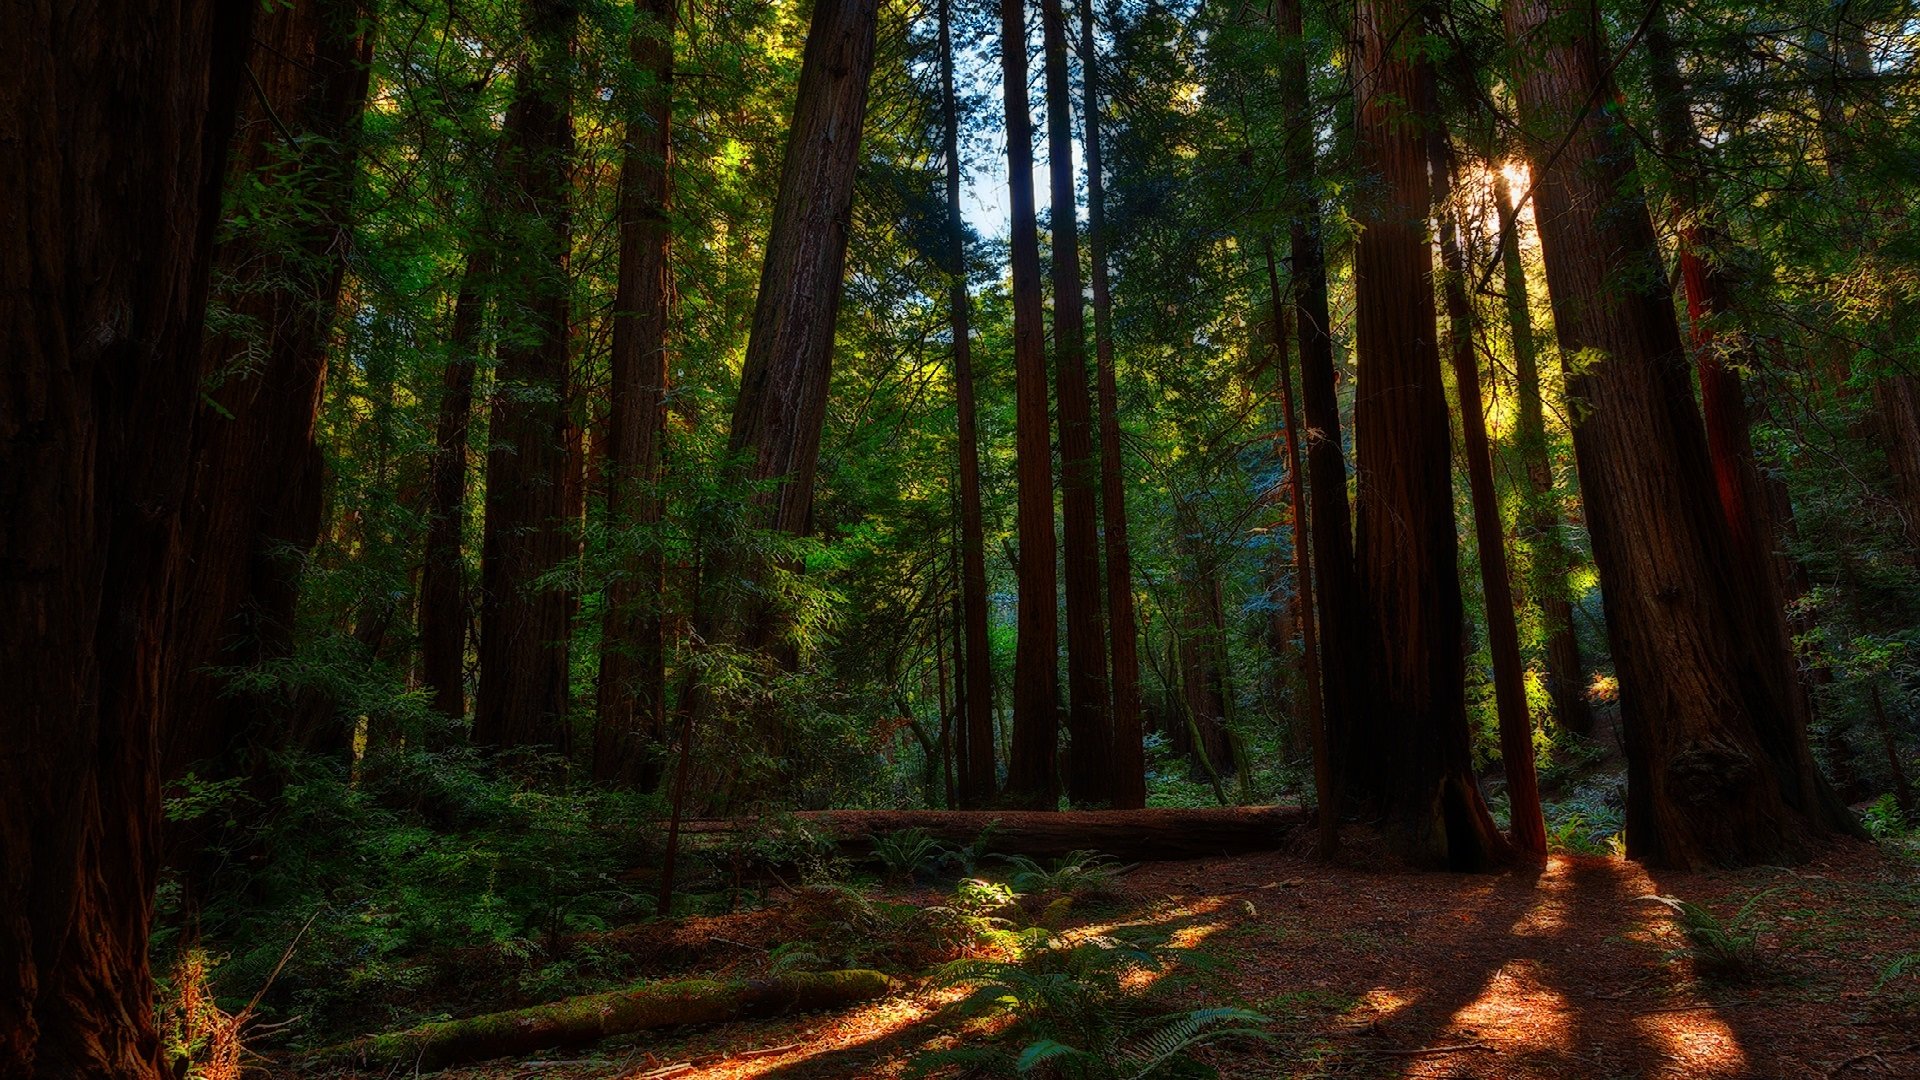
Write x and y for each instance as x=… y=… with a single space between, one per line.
x=1332 y=524
x=443 y=585
x=253 y=500
x=1129 y=787
x=1089 y=734
x=631 y=718
x=1328 y=821
x=1717 y=768
x=1413 y=734
x=974 y=674
x=116 y=126
x=522 y=701
x=1030 y=766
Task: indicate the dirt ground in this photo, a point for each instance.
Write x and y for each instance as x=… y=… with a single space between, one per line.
x=1564 y=971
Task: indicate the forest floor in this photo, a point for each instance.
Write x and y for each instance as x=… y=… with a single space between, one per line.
x=1560 y=971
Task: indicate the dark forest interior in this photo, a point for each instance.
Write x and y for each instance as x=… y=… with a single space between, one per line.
x=1096 y=540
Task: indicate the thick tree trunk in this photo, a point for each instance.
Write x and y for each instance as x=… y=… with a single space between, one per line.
x=1336 y=590
x=116 y=127
x=1745 y=502
x=1324 y=794
x=976 y=766
x=632 y=713
x=1089 y=729
x=1413 y=734
x=1548 y=557
x=780 y=413
x=443 y=576
x=523 y=696
x=1713 y=772
x=1128 y=835
x=1129 y=787
x=1527 y=828
x=252 y=506
x=1031 y=779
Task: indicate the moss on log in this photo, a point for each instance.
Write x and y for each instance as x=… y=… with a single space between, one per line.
x=583 y=1020
x=1128 y=835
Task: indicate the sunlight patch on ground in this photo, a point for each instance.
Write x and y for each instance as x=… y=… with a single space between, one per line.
x=1517 y=1002
x=1549 y=913
x=1695 y=1043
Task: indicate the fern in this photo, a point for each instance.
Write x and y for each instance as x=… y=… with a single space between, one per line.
x=1720 y=948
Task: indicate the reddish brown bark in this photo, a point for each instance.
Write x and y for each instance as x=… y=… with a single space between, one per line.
x=781 y=410
x=117 y=127
x=443 y=576
x=1332 y=523
x=1413 y=734
x=1129 y=785
x=1527 y=828
x=1714 y=775
x=522 y=699
x=1030 y=767
x=1550 y=561
x=1089 y=729
x=631 y=718
x=973 y=672
x=780 y=413
x=1329 y=822
x=252 y=507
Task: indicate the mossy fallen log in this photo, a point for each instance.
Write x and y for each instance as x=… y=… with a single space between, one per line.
x=583 y=1020
x=1127 y=835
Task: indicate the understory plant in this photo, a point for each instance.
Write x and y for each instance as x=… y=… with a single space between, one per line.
x=1723 y=949
x=1085 y=1009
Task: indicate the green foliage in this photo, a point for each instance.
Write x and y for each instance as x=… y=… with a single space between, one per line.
x=1884 y=819
x=1077 y=874
x=1085 y=1009
x=909 y=853
x=1720 y=949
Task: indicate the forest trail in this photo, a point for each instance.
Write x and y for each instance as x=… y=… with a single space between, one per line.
x=1558 y=972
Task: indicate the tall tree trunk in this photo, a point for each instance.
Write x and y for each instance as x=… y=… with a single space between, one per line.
x=1328 y=818
x=252 y=508
x=116 y=127
x=780 y=413
x=632 y=698
x=1549 y=559
x=1031 y=779
x=1414 y=731
x=1745 y=502
x=976 y=768
x=1089 y=731
x=443 y=584
x=1337 y=591
x=1129 y=787
x=522 y=700
x=1713 y=775
x=1527 y=828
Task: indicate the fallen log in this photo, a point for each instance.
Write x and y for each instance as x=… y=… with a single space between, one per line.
x=583 y=1020
x=1127 y=835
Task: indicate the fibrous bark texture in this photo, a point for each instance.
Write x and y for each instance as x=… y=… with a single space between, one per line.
x=1089 y=733
x=522 y=700
x=1031 y=780
x=1412 y=736
x=116 y=126
x=1129 y=788
x=1714 y=770
x=975 y=671
x=631 y=718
